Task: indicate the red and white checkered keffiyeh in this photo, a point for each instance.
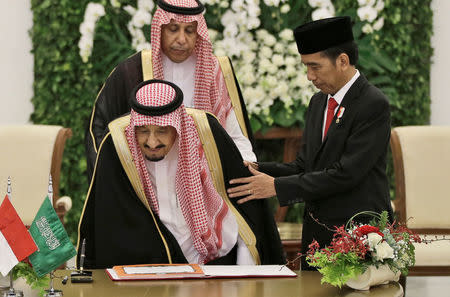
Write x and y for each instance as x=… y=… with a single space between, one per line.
x=210 y=93
x=202 y=207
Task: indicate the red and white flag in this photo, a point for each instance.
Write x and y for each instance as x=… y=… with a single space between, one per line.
x=15 y=242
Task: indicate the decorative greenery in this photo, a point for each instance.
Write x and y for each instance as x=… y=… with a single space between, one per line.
x=396 y=58
x=356 y=247
x=64 y=90
x=25 y=271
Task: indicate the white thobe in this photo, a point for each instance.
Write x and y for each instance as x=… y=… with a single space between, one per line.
x=183 y=75
x=162 y=175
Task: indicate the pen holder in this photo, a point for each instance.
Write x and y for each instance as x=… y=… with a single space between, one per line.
x=81 y=276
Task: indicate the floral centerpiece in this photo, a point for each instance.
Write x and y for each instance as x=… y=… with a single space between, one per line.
x=355 y=248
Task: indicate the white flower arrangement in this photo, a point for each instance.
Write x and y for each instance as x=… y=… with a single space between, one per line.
x=383 y=251
x=324 y=9
x=268 y=67
x=285 y=8
x=93 y=12
x=368 y=12
x=268 y=71
x=115 y=3
x=140 y=16
x=274 y=3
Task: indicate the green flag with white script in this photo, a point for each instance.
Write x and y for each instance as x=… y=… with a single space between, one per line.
x=54 y=245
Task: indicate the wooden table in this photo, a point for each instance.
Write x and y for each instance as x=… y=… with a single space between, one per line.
x=307 y=284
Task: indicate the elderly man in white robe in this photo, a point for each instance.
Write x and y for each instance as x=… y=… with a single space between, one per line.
x=181 y=53
x=158 y=194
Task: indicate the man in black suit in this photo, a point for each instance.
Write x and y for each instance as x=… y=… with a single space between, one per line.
x=341 y=167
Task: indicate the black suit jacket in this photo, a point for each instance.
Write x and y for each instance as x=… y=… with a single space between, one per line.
x=346 y=172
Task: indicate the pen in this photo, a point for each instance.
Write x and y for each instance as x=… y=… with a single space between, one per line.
x=82 y=255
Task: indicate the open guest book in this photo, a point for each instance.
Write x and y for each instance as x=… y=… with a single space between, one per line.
x=195 y=271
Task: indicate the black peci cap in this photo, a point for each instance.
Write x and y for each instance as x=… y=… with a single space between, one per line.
x=322 y=34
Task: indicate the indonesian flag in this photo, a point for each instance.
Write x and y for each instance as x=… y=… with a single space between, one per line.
x=15 y=242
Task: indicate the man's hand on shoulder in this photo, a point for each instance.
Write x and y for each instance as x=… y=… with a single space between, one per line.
x=254 y=165
x=258 y=186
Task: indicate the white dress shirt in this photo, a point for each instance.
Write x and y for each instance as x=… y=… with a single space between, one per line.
x=339 y=96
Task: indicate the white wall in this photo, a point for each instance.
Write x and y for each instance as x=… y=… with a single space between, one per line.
x=16 y=75
x=440 y=67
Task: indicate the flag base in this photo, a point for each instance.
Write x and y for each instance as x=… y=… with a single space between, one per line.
x=53 y=293
x=12 y=293
x=4 y=283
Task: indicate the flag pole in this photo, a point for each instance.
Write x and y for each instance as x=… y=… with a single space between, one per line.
x=51 y=292
x=8 y=188
x=50 y=188
x=11 y=292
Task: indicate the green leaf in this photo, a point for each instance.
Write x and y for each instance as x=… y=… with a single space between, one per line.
x=255 y=123
x=25 y=271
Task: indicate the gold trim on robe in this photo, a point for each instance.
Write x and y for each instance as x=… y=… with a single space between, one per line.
x=117 y=130
x=227 y=71
x=88 y=194
x=147 y=65
x=215 y=167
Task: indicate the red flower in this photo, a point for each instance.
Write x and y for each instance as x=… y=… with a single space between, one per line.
x=399 y=229
x=27 y=261
x=366 y=229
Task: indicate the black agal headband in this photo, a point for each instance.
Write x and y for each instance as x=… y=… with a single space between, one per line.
x=181 y=10
x=156 y=110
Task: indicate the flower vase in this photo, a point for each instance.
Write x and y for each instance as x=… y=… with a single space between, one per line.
x=373 y=276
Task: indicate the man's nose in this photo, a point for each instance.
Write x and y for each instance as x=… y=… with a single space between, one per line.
x=181 y=38
x=152 y=141
x=310 y=75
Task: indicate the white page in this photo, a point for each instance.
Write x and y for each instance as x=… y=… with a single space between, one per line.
x=157 y=269
x=113 y=273
x=247 y=270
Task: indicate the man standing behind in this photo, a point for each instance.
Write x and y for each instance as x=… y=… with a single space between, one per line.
x=341 y=167
x=181 y=53
x=158 y=191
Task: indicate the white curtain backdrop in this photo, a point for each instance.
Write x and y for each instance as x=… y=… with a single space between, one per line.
x=440 y=41
x=16 y=75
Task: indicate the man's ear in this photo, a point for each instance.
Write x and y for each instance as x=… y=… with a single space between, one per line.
x=343 y=61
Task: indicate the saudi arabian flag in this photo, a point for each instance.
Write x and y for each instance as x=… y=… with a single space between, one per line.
x=54 y=245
